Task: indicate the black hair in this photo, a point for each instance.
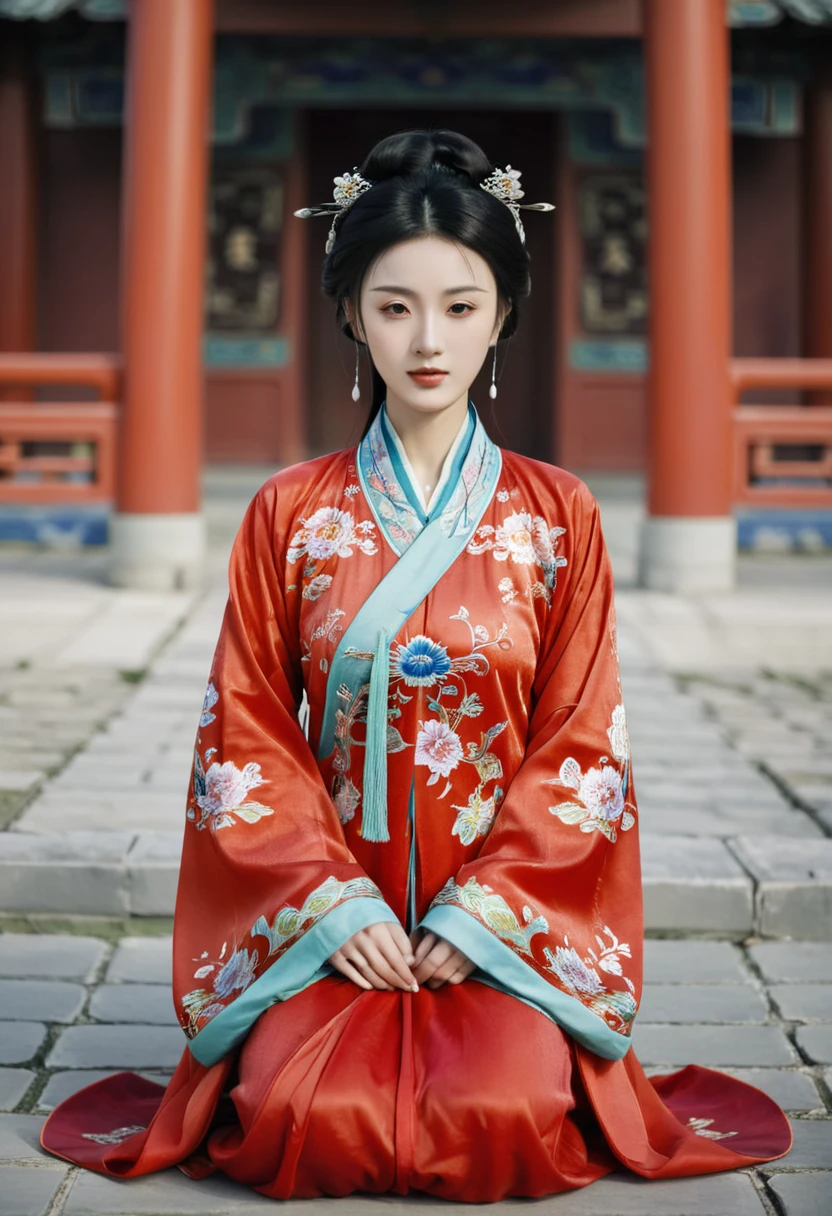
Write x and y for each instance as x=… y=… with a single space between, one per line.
x=425 y=183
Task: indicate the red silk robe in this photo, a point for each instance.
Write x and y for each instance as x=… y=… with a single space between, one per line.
x=464 y=767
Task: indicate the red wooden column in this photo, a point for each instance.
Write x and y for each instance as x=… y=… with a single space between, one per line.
x=817 y=210
x=157 y=532
x=18 y=195
x=689 y=541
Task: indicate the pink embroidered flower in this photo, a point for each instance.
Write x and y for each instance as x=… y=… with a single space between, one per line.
x=439 y=748
x=601 y=792
x=226 y=786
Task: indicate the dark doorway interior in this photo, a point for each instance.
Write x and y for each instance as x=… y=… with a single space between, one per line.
x=521 y=416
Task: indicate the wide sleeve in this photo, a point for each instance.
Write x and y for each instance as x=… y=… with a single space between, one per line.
x=550 y=909
x=268 y=888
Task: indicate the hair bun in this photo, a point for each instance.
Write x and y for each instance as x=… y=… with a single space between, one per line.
x=410 y=152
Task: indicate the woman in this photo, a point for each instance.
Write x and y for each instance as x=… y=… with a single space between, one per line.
x=407 y=948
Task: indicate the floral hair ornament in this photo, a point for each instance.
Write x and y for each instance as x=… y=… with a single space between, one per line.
x=504 y=184
x=348 y=187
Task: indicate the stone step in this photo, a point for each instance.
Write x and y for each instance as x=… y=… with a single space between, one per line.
x=771 y=886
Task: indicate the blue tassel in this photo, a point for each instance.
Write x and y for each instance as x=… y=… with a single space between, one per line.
x=374 y=820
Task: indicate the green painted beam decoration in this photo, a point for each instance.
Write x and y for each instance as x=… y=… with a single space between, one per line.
x=260 y=80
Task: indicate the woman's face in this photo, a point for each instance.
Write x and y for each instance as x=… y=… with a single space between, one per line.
x=428 y=303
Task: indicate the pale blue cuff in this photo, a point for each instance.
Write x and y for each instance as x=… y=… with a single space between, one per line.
x=301 y=965
x=505 y=970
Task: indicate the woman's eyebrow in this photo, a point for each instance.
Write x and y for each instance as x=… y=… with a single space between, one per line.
x=449 y=291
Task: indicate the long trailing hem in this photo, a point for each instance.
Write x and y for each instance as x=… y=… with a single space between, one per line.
x=463 y=1092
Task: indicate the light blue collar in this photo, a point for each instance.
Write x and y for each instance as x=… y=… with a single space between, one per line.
x=393 y=498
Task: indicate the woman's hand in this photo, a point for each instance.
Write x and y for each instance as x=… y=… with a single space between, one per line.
x=438 y=962
x=377 y=957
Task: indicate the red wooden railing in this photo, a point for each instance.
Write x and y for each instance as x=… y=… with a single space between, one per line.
x=86 y=430
x=764 y=475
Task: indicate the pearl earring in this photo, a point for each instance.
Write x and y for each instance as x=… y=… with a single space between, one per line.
x=356 y=391
x=492 y=392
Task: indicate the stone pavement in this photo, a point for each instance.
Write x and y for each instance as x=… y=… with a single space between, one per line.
x=79 y=1007
x=729 y=700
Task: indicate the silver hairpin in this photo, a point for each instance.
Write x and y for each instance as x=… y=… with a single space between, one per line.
x=504 y=184
x=348 y=187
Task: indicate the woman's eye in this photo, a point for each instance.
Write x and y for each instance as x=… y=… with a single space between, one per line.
x=460 y=304
x=397 y=305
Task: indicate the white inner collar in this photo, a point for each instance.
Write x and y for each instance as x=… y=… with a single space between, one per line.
x=446 y=467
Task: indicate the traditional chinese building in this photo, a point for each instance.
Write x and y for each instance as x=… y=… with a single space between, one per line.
x=159 y=304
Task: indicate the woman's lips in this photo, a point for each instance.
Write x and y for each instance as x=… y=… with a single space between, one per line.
x=428 y=379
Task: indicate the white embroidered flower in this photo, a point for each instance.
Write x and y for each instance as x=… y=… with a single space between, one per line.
x=317 y=586
x=438 y=747
x=508 y=590
x=601 y=792
x=514 y=539
x=502 y=496
x=573 y=972
x=330 y=533
x=475 y=819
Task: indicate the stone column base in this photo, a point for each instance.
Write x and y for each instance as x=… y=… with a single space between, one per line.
x=688 y=554
x=157 y=552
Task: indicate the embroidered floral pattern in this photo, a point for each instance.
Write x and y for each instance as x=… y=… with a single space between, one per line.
x=328 y=533
x=579 y=977
x=116 y=1136
x=526 y=540
x=424 y=663
x=316 y=587
x=211 y=698
x=494 y=912
x=220 y=794
x=702 y=1127
x=599 y=802
x=396 y=515
x=421 y=662
x=236 y=974
x=438 y=747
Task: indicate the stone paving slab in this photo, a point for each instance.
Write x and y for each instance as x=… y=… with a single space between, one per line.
x=803 y=1002
x=693 y=962
x=794 y=962
x=712 y=1045
x=28 y=1192
x=703 y=1004
x=794 y=884
x=153 y=865
x=150 y=1004
x=59 y=956
x=14 y=1082
x=618 y=1195
x=811 y=1150
x=816 y=1042
x=793 y=1091
x=803 y=1194
x=124 y=1046
x=142 y=960
x=42 y=1000
x=694 y=884
x=74 y=872
x=20 y=1040
x=20 y=1138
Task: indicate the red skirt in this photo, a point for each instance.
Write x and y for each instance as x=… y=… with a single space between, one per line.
x=462 y=1092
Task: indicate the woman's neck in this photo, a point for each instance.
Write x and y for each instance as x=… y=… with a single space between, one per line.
x=427 y=438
